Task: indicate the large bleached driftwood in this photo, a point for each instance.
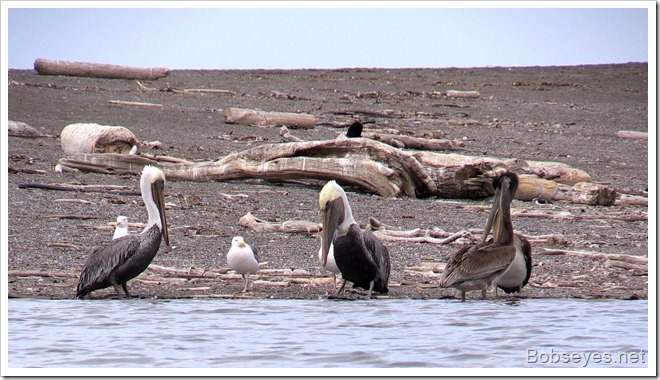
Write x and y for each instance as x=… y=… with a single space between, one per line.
x=97 y=70
x=96 y=138
x=370 y=165
x=269 y=119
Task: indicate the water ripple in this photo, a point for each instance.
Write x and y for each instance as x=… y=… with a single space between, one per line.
x=319 y=333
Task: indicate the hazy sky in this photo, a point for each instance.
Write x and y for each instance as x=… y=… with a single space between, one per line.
x=217 y=38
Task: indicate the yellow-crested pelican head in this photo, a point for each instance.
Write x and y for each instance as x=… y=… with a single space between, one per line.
x=152 y=185
x=335 y=212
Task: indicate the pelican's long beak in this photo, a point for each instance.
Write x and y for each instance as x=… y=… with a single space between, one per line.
x=507 y=192
x=493 y=213
x=158 y=191
x=333 y=214
x=500 y=215
x=505 y=228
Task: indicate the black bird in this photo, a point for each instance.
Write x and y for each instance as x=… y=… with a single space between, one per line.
x=354 y=130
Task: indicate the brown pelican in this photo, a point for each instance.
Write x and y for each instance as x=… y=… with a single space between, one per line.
x=476 y=267
x=122 y=227
x=126 y=257
x=361 y=258
x=517 y=275
x=243 y=259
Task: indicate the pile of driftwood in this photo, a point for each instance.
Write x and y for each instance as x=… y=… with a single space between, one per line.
x=378 y=163
x=381 y=163
x=371 y=165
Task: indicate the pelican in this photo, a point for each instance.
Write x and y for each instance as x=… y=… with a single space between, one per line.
x=243 y=259
x=122 y=227
x=517 y=275
x=125 y=258
x=478 y=266
x=360 y=257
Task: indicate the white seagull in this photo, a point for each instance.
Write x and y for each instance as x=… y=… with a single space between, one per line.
x=243 y=259
x=330 y=265
x=122 y=227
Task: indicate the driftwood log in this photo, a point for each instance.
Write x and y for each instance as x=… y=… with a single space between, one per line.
x=636 y=263
x=370 y=165
x=531 y=186
x=269 y=119
x=204 y=91
x=95 y=138
x=12 y=169
x=188 y=90
x=462 y=94
x=135 y=104
x=632 y=135
x=97 y=70
x=396 y=140
x=631 y=200
x=20 y=129
x=619 y=216
x=290 y=226
x=411 y=142
x=108 y=189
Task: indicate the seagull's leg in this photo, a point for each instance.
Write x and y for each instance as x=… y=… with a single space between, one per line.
x=462 y=295
x=246 y=283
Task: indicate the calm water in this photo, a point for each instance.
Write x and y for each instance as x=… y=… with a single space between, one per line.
x=324 y=333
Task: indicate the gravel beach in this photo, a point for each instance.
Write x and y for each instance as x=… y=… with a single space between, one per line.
x=560 y=114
